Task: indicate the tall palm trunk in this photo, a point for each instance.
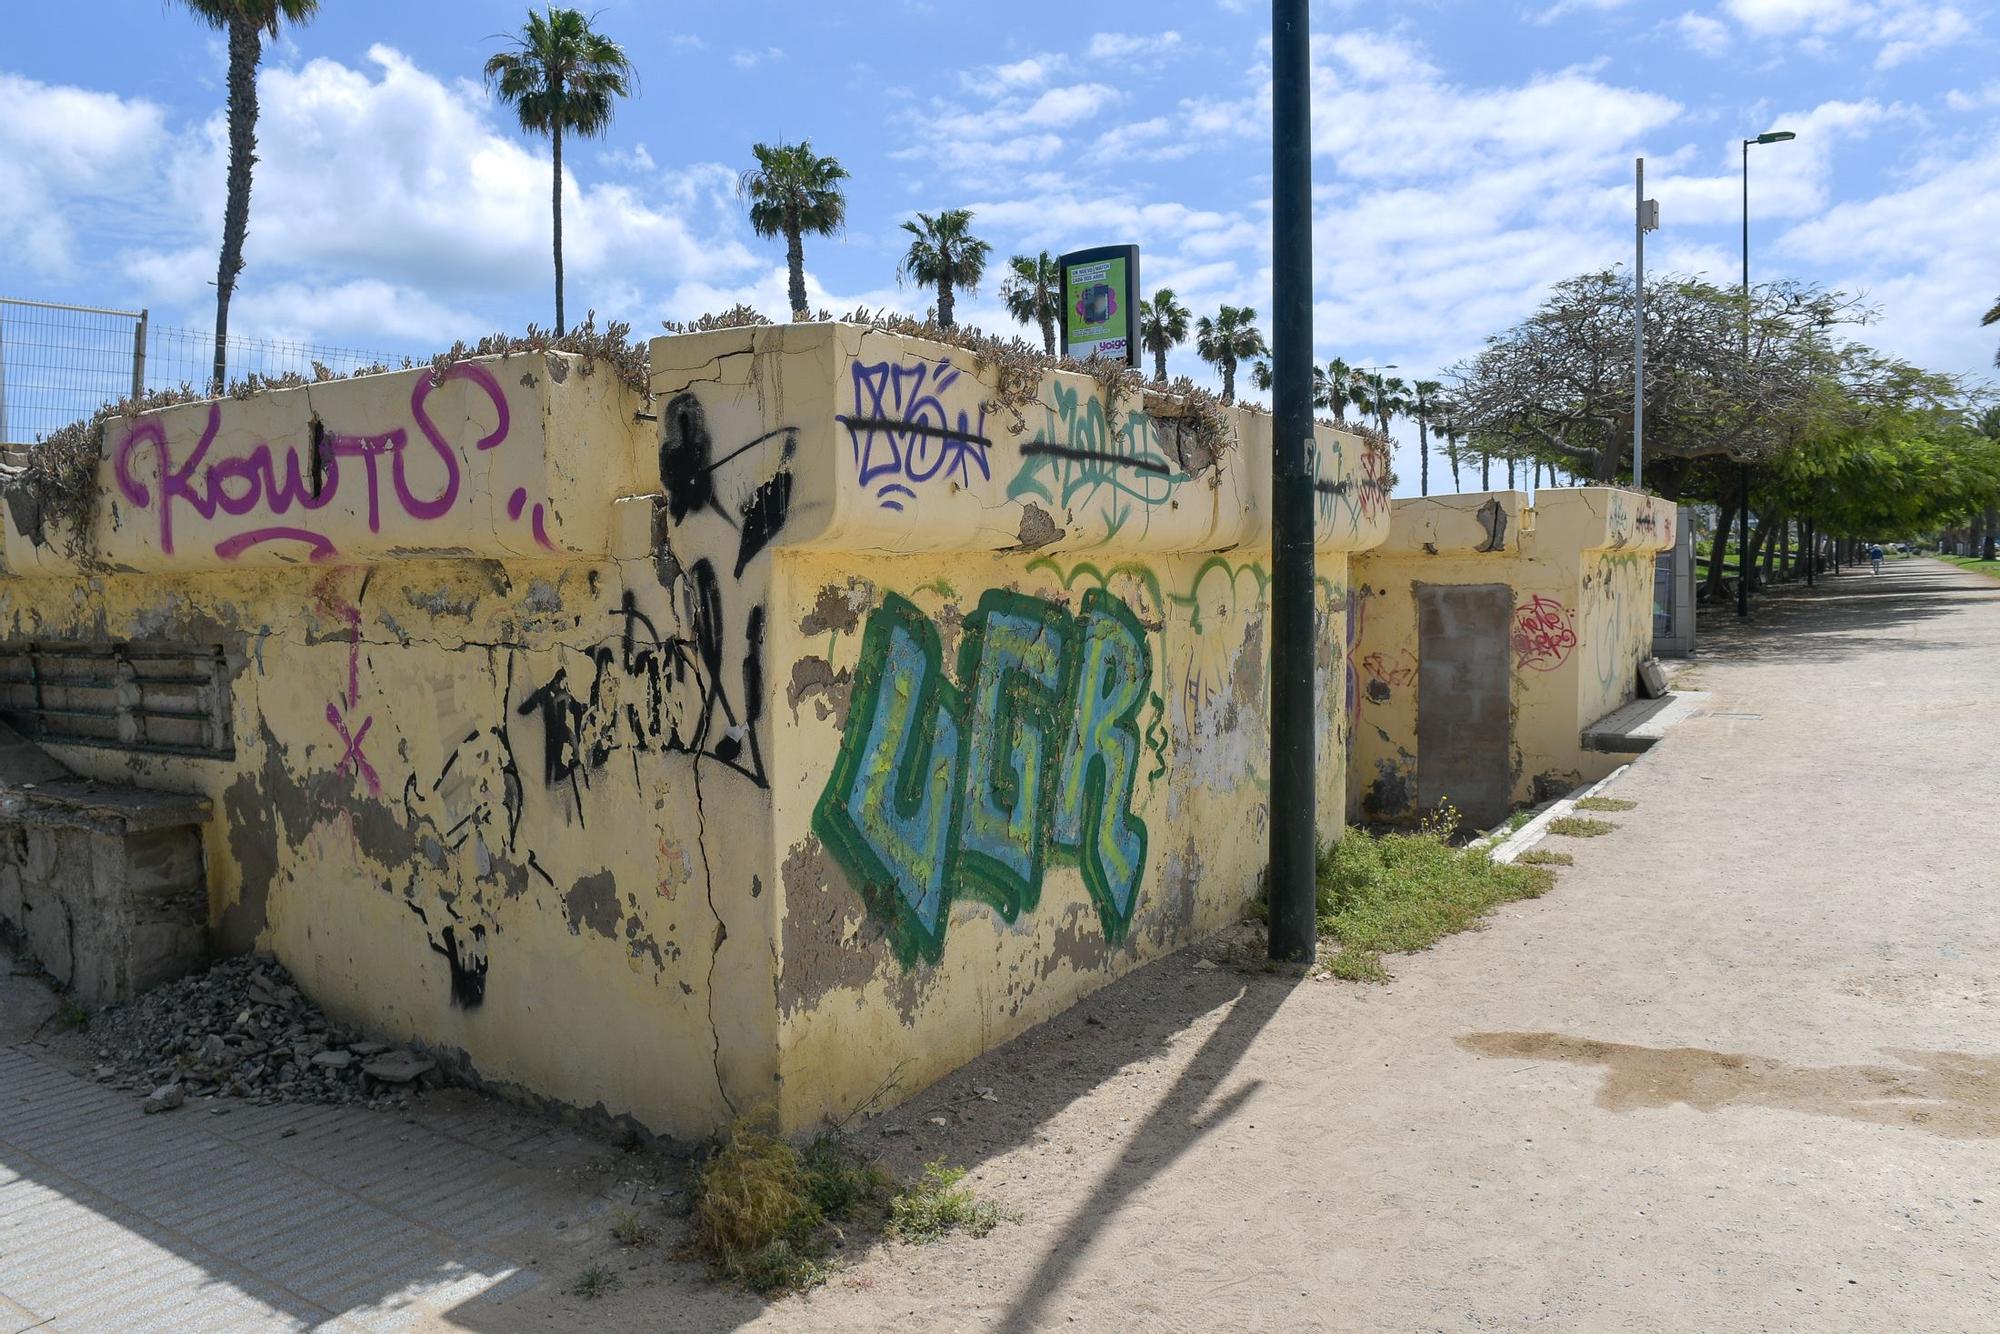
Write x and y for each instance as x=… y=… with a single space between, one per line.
x=1424 y=457
x=556 y=202
x=795 y=260
x=1229 y=379
x=246 y=49
x=1048 y=323
x=946 y=299
x=1485 y=472
x=1160 y=364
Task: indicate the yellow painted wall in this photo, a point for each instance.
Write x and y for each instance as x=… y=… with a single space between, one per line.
x=1579 y=564
x=545 y=715
x=1019 y=678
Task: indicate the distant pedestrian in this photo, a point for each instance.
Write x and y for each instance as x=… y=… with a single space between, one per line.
x=1875 y=556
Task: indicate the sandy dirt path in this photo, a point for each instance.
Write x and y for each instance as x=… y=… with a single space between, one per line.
x=1739 y=1071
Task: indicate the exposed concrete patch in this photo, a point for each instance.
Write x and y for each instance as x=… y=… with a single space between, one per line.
x=1038 y=528
x=1392 y=794
x=542 y=597
x=838 y=610
x=815 y=679
x=593 y=902
x=829 y=942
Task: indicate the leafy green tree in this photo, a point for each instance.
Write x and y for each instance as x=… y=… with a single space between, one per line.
x=1230 y=337
x=561 y=75
x=945 y=255
x=1992 y=317
x=1163 y=326
x=1425 y=410
x=244 y=25
x=793 y=193
x=1033 y=293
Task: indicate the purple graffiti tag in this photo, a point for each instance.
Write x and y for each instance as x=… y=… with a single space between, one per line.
x=232 y=547
x=901 y=432
x=351 y=757
x=258 y=485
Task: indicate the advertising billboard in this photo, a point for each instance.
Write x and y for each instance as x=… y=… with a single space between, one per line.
x=1100 y=300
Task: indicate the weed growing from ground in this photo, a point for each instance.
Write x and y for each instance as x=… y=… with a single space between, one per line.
x=1539 y=857
x=1578 y=826
x=1405 y=892
x=71 y=1016
x=1606 y=804
x=937 y=1203
x=595 y=1282
x=769 y=1216
x=628 y=1229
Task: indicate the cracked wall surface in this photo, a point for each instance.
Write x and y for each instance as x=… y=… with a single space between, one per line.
x=1579 y=565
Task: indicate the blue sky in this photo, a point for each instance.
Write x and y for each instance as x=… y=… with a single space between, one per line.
x=1468 y=154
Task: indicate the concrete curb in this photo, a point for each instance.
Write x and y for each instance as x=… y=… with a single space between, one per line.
x=1533 y=832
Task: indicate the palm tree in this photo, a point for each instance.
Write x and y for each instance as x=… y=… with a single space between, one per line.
x=793 y=191
x=1230 y=337
x=245 y=22
x=945 y=255
x=1384 y=397
x=1334 y=387
x=1033 y=293
x=1992 y=317
x=561 y=75
x=1163 y=326
x=1424 y=409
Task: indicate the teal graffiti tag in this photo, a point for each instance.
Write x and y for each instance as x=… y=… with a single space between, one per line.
x=944 y=792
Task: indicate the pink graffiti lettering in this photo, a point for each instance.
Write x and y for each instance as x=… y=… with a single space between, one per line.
x=351 y=757
x=255 y=482
x=1544 y=634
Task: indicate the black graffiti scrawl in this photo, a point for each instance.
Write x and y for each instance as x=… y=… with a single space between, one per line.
x=688 y=468
x=656 y=691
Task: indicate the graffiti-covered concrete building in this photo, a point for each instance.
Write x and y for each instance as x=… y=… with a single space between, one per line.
x=1489 y=635
x=829 y=710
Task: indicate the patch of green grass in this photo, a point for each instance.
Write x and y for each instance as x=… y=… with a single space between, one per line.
x=1540 y=857
x=768 y=1215
x=595 y=1282
x=1606 y=804
x=1404 y=892
x=937 y=1203
x=1973 y=563
x=70 y=1015
x=1579 y=826
x=628 y=1229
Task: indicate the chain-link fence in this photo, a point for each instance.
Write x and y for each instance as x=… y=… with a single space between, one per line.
x=60 y=363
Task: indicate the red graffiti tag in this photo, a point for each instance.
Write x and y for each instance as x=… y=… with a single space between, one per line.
x=256 y=484
x=1544 y=634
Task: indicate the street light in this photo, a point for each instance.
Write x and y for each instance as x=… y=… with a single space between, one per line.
x=1743 y=467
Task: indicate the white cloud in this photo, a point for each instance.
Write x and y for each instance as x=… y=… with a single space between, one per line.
x=1905 y=29
x=1922 y=253
x=748 y=59
x=1928 y=32
x=1126 y=46
x=359 y=224
x=1979 y=99
x=1564 y=8
x=1709 y=36
x=59 y=145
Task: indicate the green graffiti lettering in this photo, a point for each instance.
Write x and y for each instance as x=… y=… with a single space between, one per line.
x=941 y=793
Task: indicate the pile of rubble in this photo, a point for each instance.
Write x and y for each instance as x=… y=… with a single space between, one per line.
x=242 y=1030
